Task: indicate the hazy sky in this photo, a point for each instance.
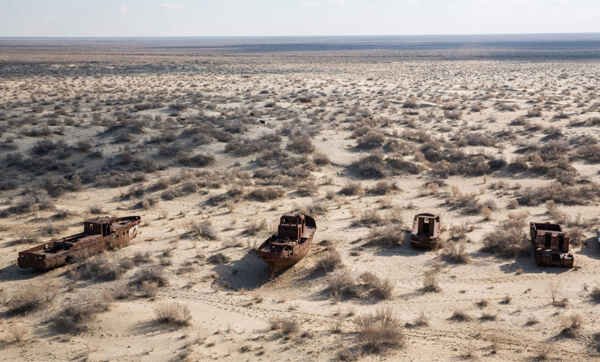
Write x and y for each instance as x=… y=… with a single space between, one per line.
x=294 y=17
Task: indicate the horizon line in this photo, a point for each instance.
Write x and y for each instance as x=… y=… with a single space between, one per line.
x=285 y=35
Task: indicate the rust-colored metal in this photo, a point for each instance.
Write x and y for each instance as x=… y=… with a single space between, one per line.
x=550 y=245
x=426 y=231
x=291 y=243
x=98 y=234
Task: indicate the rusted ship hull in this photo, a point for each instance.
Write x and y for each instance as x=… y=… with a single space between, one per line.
x=426 y=231
x=419 y=242
x=551 y=245
x=279 y=262
x=550 y=258
x=56 y=253
x=291 y=243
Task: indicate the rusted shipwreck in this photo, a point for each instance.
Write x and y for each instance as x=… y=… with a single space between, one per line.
x=291 y=243
x=426 y=231
x=104 y=233
x=551 y=245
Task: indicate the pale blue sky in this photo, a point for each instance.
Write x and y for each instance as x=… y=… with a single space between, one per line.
x=294 y=17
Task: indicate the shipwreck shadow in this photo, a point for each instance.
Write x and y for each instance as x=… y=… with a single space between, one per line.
x=527 y=265
x=12 y=273
x=152 y=327
x=248 y=273
x=591 y=248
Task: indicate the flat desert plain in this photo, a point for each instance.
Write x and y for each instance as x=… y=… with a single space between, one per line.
x=211 y=149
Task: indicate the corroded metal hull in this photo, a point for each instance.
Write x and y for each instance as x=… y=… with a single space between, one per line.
x=99 y=235
x=290 y=245
x=420 y=242
x=426 y=231
x=551 y=245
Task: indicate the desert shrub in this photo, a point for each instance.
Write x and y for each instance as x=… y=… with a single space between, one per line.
x=595 y=295
x=534 y=112
x=96 y=210
x=351 y=189
x=468 y=204
x=74 y=315
x=376 y=288
x=199 y=160
x=377 y=333
x=571 y=326
x=509 y=240
x=476 y=139
x=421 y=321
x=398 y=166
x=235 y=194
x=487 y=317
x=285 y=326
x=452 y=114
x=589 y=153
x=321 y=159
x=455 y=252
x=98 y=268
x=56 y=186
x=596 y=342
x=368 y=286
x=342 y=286
x=387 y=237
x=118 y=179
x=26 y=300
x=370 y=140
x=300 y=144
x=203 y=229
x=146 y=204
x=255 y=227
x=382 y=188
x=328 y=263
x=368 y=218
x=58 y=149
x=218 y=258
x=30 y=201
x=460 y=316
x=245 y=147
x=430 y=283
x=369 y=167
x=559 y=193
x=147 y=279
x=172 y=314
x=265 y=194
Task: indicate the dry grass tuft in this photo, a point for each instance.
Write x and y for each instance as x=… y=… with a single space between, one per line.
x=99 y=268
x=218 y=258
x=367 y=287
x=430 y=283
x=74 y=316
x=455 y=253
x=377 y=333
x=368 y=218
x=460 y=316
x=421 y=321
x=203 y=230
x=146 y=282
x=265 y=194
x=388 y=237
x=285 y=326
x=510 y=240
x=595 y=295
x=328 y=263
x=571 y=326
x=173 y=314
x=28 y=299
x=351 y=189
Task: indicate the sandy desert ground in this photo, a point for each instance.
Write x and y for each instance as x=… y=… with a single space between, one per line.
x=211 y=149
